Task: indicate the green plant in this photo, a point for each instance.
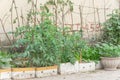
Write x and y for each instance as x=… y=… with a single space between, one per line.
x=19 y=60
x=40 y=43
x=90 y=53
x=5 y=60
x=46 y=44
x=72 y=46
x=109 y=50
x=112 y=28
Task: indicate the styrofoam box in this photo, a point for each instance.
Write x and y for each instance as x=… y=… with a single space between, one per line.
x=84 y=67
x=68 y=68
x=5 y=74
x=46 y=71
x=98 y=65
x=20 y=73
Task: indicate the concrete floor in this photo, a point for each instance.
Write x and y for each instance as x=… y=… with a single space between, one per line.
x=96 y=75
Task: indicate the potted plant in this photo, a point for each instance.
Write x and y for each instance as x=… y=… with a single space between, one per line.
x=90 y=58
x=5 y=66
x=112 y=29
x=72 y=45
x=47 y=44
x=41 y=45
x=110 y=55
x=119 y=59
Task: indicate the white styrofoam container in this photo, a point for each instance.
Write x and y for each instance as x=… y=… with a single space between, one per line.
x=5 y=74
x=68 y=68
x=84 y=67
x=23 y=73
x=46 y=71
x=98 y=65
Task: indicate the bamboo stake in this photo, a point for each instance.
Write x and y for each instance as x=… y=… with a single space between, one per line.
x=104 y=10
x=63 y=17
x=5 y=31
x=98 y=20
x=22 y=18
x=71 y=21
x=11 y=10
x=81 y=22
x=16 y=13
x=94 y=19
x=0 y=43
x=56 y=13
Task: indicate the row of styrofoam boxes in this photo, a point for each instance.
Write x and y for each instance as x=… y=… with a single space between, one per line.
x=64 y=68
x=26 y=73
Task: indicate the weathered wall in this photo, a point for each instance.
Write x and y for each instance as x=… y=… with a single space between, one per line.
x=93 y=12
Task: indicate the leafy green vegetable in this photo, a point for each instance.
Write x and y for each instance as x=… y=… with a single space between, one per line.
x=5 y=60
x=109 y=50
x=112 y=28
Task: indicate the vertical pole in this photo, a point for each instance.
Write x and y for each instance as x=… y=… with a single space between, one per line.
x=119 y=4
x=81 y=31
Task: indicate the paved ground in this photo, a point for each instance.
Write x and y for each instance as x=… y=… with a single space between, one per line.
x=97 y=75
